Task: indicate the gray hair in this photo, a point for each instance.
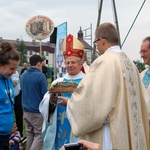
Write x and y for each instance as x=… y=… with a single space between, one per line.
x=80 y=60
x=147 y=39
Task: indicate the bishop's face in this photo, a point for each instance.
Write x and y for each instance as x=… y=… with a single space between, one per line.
x=73 y=65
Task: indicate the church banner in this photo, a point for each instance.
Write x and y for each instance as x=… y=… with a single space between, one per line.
x=61 y=35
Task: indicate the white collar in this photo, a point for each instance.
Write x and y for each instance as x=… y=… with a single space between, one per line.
x=114 y=48
x=77 y=76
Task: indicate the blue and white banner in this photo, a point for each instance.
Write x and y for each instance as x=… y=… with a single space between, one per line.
x=61 y=35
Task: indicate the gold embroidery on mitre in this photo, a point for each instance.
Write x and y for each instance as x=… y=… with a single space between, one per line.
x=74 y=46
x=68 y=52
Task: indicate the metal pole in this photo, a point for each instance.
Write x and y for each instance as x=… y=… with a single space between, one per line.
x=116 y=20
x=98 y=22
x=55 y=71
x=99 y=12
x=40 y=48
x=91 y=42
x=133 y=23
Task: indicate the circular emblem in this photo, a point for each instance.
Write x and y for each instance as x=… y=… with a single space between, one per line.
x=39 y=27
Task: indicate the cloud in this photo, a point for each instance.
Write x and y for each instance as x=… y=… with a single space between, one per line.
x=15 y=14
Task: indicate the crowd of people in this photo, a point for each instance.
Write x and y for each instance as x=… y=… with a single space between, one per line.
x=109 y=109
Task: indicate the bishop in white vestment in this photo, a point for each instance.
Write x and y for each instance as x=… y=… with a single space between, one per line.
x=56 y=127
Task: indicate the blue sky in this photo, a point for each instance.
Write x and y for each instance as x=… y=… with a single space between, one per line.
x=15 y=14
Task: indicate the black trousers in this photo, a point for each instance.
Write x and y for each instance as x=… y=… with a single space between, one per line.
x=4 y=142
x=19 y=113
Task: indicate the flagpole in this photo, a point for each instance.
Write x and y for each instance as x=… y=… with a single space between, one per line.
x=40 y=48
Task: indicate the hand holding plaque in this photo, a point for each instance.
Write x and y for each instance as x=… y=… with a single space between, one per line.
x=61 y=87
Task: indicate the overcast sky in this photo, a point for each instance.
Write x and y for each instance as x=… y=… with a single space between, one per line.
x=15 y=13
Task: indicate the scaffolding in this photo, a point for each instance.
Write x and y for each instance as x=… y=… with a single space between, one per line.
x=88 y=36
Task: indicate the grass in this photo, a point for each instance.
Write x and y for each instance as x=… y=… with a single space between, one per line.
x=24 y=128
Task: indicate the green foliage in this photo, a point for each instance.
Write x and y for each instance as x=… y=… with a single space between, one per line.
x=23 y=52
x=140 y=65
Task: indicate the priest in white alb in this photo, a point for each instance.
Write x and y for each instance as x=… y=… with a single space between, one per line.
x=110 y=105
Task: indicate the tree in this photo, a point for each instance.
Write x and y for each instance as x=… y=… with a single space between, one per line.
x=140 y=65
x=23 y=52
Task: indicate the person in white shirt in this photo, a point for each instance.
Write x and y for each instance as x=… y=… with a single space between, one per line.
x=18 y=102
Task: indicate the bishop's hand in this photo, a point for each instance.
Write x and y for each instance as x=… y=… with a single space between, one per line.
x=54 y=98
x=63 y=101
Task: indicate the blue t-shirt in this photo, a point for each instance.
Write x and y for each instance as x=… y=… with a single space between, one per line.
x=6 y=105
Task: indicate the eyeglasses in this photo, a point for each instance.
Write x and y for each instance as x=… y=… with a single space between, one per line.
x=96 y=41
x=143 y=52
x=99 y=39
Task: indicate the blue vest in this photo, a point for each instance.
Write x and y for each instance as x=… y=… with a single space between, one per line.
x=146 y=78
x=58 y=131
x=63 y=133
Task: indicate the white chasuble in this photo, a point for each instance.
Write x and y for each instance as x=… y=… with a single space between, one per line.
x=112 y=90
x=145 y=77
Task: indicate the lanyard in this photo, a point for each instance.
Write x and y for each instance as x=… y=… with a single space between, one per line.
x=8 y=91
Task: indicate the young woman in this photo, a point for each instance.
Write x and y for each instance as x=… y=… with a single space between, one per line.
x=9 y=60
